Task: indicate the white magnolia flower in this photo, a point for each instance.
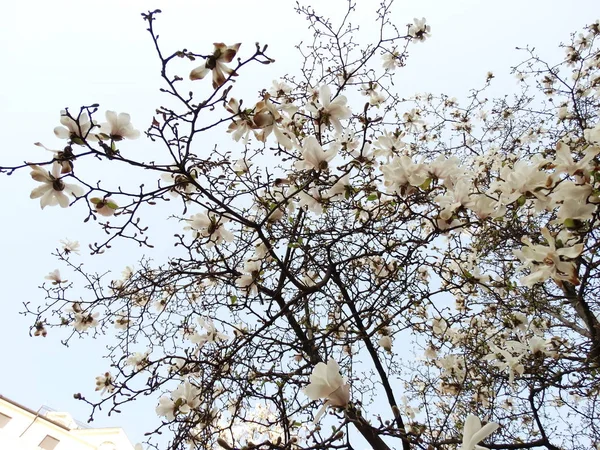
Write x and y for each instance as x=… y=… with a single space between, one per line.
x=524 y=177
x=474 y=433
x=506 y=360
x=439 y=325
x=538 y=345
x=251 y=275
x=243 y=124
x=242 y=166
x=104 y=383
x=386 y=343
x=592 y=135
x=279 y=89
x=119 y=126
x=454 y=199
x=216 y=62
x=419 y=30
x=340 y=188
x=211 y=335
x=547 y=261
x=389 y=144
x=121 y=321
x=138 y=360
x=181 y=401
x=54 y=276
x=564 y=160
x=83 y=321
x=312 y=201
x=402 y=172
x=64 y=157
x=212 y=226
x=53 y=190
x=327 y=383
x=179 y=184
x=104 y=206
x=76 y=130
x=69 y=246
x=313 y=155
x=330 y=112
x=391 y=60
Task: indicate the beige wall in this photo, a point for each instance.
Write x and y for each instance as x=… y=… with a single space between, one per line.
x=27 y=429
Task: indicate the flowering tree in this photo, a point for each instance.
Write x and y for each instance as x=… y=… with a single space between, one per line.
x=362 y=266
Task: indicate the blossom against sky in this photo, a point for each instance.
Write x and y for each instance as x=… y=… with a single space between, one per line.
x=71 y=53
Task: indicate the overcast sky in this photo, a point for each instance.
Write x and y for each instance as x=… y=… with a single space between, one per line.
x=61 y=53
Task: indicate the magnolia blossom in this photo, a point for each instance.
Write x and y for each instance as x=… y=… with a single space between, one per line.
x=327 y=383
x=212 y=226
x=386 y=343
x=453 y=199
x=574 y=200
x=104 y=206
x=389 y=144
x=54 y=276
x=181 y=401
x=248 y=281
x=104 y=383
x=40 y=329
x=180 y=184
x=402 y=172
x=121 y=321
x=266 y=119
x=64 y=157
x=312 y=201
x=216 y=62
x=242 y=166
x=474 y=433
x=564 y=160
x=119 y=126
x=506 y=360
x=211 y=335
x=538 y=345
x=279 y=89
x=69 y=246
x=53 y=190
x=313 y=155
x=523 y=178
x=391 y=60
x=330 y=112
x=412 y=120
x=138 y=360
x=75 y=129
x=376 y=97
x=592 y=135
x=548 y=261
x=419 y=30
x=243 y=125
x=341 y=188
x=83 y=321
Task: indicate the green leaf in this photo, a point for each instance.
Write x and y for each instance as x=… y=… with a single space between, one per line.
x=426 y=184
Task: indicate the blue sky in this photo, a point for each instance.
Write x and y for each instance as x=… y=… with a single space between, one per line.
x=67 y=53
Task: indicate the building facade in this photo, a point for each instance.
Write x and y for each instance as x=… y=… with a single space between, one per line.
x=24 y=429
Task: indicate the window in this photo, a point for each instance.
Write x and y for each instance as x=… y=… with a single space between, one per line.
x=4 y=419
x=48 y=443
